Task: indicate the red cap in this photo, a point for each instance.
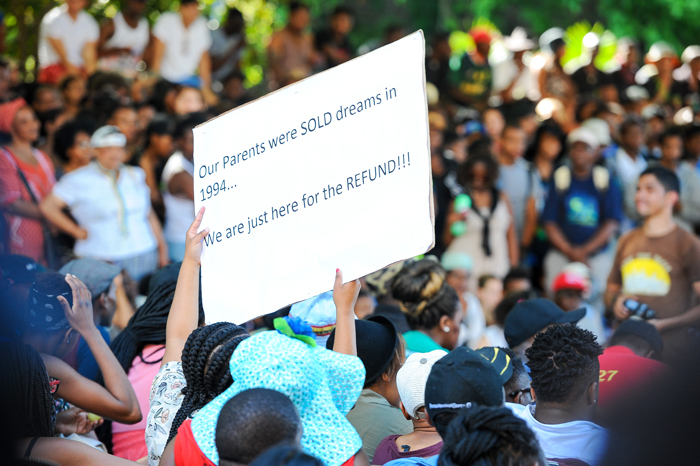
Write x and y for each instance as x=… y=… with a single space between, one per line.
x=568 y=281
x=480 y=35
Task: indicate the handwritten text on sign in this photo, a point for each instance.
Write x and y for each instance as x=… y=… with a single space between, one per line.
x=331 y=172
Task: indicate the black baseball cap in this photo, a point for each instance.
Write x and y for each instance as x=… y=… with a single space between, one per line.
x=20 y=269
x=642 y=329
x=462 y=379
x=376 y=339
x=531 y=316
x=500 y=360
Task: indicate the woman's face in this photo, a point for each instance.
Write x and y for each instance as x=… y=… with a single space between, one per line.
x=454 y=324
x=80 y=153
x=480 y=175
x=189 y=100
x=111 y=157
x=162 y=144
x=75 y=91
x=25 y=125
x=550 y=146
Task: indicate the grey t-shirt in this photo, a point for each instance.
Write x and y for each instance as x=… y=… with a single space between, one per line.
x=519 y=183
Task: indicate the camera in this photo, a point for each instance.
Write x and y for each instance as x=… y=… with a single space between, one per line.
x=640 y=309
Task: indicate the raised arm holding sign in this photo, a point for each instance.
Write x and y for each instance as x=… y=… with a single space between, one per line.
x=330 y=172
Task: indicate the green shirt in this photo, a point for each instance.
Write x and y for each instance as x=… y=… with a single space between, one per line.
x=374 y=419
x=419 y=342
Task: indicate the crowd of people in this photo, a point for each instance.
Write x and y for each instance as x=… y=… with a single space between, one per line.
x=555 y=321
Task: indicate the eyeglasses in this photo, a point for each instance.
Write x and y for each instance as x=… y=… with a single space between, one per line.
x=523 y=394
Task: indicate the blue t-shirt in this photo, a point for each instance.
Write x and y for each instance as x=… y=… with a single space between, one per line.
x=432 y=461
x=87 y=366
x=581 y=209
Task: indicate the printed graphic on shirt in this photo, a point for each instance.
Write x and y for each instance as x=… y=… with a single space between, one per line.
x=646 y=275
x=582 y=211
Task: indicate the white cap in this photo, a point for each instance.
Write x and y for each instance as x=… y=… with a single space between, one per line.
x=690 y=53
x=583 y=134
x=600 y=128
x=412 y=377
x=108 y=136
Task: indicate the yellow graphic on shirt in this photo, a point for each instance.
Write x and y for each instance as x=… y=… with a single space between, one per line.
x=645 y=276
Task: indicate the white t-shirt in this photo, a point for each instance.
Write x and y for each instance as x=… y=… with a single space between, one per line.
x=179 y=212
x=115 y=216
x=505 y=72
x=581 y=440
x=183 y=46
x=57 y=24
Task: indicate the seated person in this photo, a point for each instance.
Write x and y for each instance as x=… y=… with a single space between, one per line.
x=532 y=316
x=424 y=441
x=564 y=367
x=376 y=413
x=517 y=388
x=461 y=379
x=569 y=294
x=630 y=360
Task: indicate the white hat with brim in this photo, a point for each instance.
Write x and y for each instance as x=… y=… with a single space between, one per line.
x=583 y=134
x=108 y=136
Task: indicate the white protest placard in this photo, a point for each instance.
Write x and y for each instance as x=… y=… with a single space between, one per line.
x=330 y=172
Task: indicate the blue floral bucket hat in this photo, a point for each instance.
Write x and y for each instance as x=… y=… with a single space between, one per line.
x=322 y=384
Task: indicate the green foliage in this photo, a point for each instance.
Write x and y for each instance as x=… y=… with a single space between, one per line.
x=577 y=54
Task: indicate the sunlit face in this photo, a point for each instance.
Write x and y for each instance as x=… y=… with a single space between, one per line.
x=74 y=6
x=26 y=126
x=189 y=100
x=110 y=157
x=651 y=197
x=491 y=294
x=299 y=20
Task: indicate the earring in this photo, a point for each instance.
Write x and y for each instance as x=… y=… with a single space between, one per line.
x=446 y=329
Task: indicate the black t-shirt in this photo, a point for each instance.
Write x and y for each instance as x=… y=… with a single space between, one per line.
x=588 y=84
x=327 y=37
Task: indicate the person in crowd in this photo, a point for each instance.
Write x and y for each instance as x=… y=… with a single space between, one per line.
x=516 y=280
x=657 y=264
x=494 y=332
x=178 y=186
x=333 y=43
x=564 y=367
x=139 y=350
x=71 y=145
x=286 y=455
x=459 y=381
x=291 y=51
x=376 y=413
x=111 y=205
x=68 y=38
x=627 y=54
x=458 y=267
x=659 y=82
x=490 y=238
x=45 y=98
x=73 y=92
x=59 y=311
x=481 y=308
x=517 y=388
x=437 y=64
x=188 y=99
x=671 y=142
x=30 y=421
x=26 y=178
x=490 y=435
x=254 y=421
x=50 y=122
x=629 y=161
x=123 y=39
x=472 y=83
x=228 y=44
x=512 y=78
x=630 y=360
x=185 y=62
x=423 y=441
x=554 y=82
x=568 y=291
x=588 y=79
x=379 y=284
x=234 y=94
x=528 y=318
x=193 y=369
x=125 y=118
x=431 y=306
x=517 y=179
x=544 y=154
x=156 y=151
x=582 y=213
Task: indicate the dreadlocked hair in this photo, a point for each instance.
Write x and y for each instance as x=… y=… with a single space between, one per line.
x=423 y=294
x=146 y=327
x=563 y=362
x=489 y=436
x=205 y=365
x=24 y=388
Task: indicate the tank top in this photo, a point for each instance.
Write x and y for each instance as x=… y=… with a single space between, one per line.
x=179 y=212
x=125 y=36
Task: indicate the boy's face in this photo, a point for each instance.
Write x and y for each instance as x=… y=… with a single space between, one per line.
x=513 y=142
x=651 y=197
x=672 y=148
x=633 y=138
x=569 y=299
x=582 y=156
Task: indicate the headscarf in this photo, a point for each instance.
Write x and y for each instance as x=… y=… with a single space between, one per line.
x=8 y=111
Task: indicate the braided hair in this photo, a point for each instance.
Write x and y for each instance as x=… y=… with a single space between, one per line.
x=205 y=365
x=146 y=327
x=489 y=436
x=424 y=295
x=28 y=409
x=563 y=362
